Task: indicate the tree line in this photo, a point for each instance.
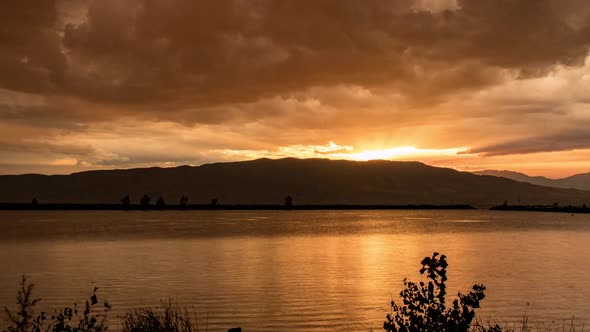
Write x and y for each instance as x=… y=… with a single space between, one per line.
x=146 y=201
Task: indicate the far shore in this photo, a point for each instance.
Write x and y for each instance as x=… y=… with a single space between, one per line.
x=137 y=207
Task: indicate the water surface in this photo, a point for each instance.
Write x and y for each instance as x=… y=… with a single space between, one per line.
x=297 y=270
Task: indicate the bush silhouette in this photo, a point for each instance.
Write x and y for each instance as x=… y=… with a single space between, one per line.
x=23 y=319
x=423 y=306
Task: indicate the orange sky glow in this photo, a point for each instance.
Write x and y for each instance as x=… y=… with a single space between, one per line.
x=470 y=85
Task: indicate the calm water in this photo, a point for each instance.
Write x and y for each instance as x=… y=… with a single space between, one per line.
x=297 y=270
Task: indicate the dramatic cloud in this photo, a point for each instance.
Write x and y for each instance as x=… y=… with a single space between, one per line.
x=577 y=139
x=109 y=83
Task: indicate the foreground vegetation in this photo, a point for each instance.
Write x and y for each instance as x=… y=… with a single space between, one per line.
x=168 y=317
x=93 y=318
x=423 y=307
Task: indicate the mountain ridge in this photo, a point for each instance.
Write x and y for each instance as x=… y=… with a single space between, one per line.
x=268 y=181
x=577 y=181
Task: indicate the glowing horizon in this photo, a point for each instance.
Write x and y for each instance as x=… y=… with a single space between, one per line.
x=345 y=152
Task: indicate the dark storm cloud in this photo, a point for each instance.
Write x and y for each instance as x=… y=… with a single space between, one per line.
x=561 y=141
x=197 y=52
x=145 y=52
x=31 y=58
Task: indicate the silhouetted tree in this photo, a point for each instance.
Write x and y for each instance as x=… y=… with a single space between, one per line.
x=145 y=201
x=555 y=205
x=34 y=201
x=183 y=201
x=214 y=201
x=161 y=203
x=584 y=206
x=289 y=201
x=126 y=201
x=505 y=203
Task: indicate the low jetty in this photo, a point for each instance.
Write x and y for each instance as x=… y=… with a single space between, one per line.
x=134 y=207
x=543 y=208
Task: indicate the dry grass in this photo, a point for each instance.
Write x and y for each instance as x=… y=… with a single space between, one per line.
x=167 y=317
x=566 y=325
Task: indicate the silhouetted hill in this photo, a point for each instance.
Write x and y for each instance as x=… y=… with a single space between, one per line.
x=578 y=181
x=265 y=181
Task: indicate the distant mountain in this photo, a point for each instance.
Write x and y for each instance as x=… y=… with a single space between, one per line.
x=578 y=181
x=265 y=181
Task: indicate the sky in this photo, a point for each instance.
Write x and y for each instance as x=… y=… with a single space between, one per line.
x=467 y=84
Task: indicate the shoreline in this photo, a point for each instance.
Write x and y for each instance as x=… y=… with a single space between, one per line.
x=229 y=207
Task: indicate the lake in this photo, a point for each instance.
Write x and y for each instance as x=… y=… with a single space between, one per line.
x=297 y=270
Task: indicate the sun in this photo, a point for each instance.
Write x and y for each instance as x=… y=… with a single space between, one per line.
x=401 y=152
x=383 y=154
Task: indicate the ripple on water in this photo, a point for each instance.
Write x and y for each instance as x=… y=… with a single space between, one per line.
x=297 y=270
